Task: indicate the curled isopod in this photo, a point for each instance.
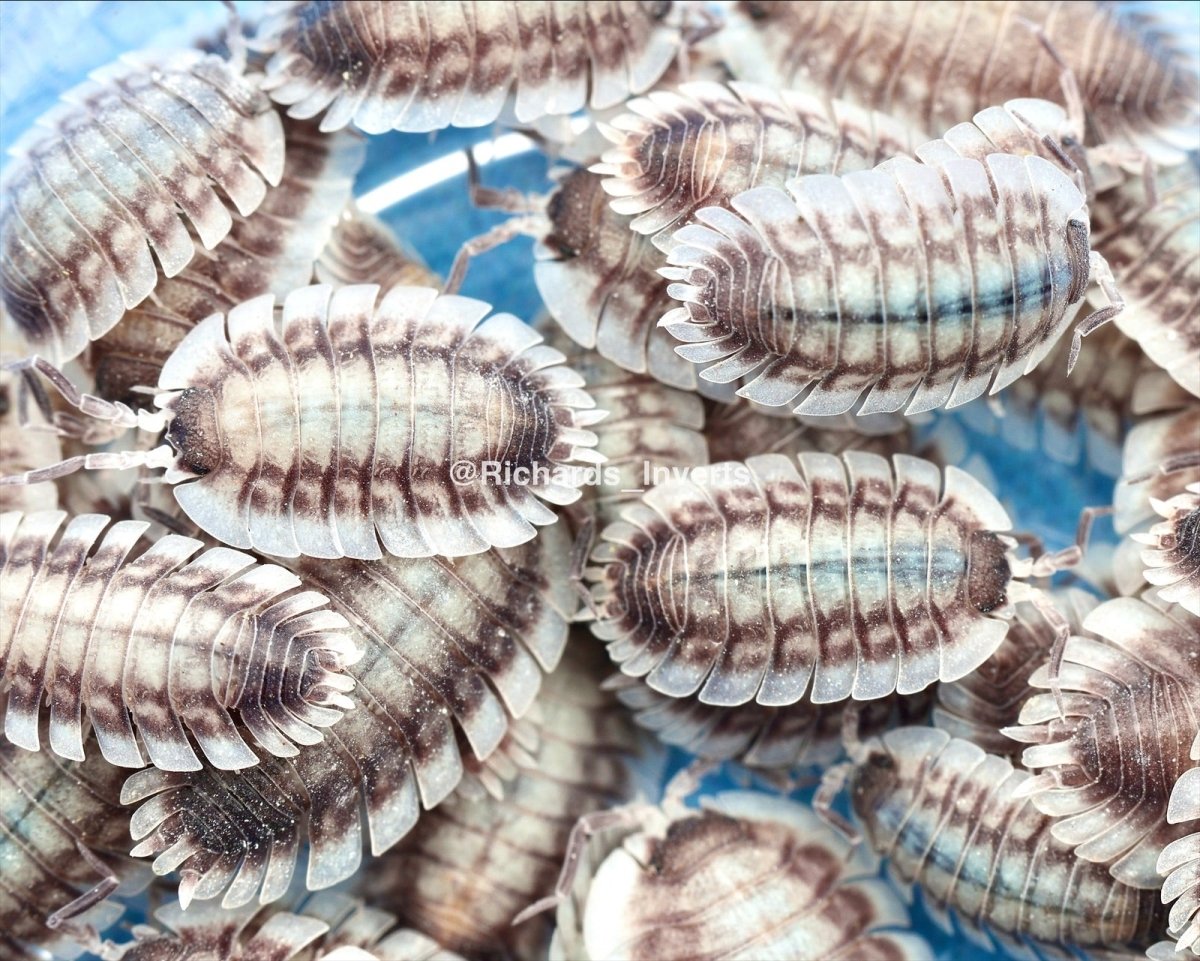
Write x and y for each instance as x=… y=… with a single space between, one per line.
x=1173 y=557
x=933 y=63
x=824 y=578
x=107 y=178
x=473 y=864
x=746 y=876
x=917 y=285
x=1130 y=695
x=161 y=640
x=454 y=651
x=409 y=422
x=271 y=251
x=362 y=250
x=415 y=65
x=951 y=818
x=1179 y=864
x=63 y=843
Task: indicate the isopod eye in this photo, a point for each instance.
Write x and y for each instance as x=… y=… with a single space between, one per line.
x=193 y=430
x=756 y=11
x=655 y=9
x=882 y=761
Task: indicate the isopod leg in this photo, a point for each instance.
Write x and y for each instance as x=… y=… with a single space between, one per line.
x=117 y=414
x=580 y=553
x=95 y=895
x=1102 y=274
x=507 y=199
x=832 y=782
x=496 y=237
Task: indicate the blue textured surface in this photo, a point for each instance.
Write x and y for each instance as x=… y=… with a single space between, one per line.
x=50 y=47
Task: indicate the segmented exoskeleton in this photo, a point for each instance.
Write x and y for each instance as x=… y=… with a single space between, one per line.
x=1173 y=558
x=847 y=577
x=472 y=865
x=407 y=421
x=952 y=818
x=162 y=641
x=917 y=285
x=108 y=178
x=454 y=651
x=1179 y=864
x=1131 y=696
x=272 y=251
x=747 y=876
x=415 y=66
x=933 y=63
x=361 y=250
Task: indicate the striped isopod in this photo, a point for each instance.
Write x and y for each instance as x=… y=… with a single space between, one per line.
x=978 y=707
x=1172 y=560
x=1179 y=864
x=420 y=426
x=24 y=449
x=848 y=577
x=418 y=66
x=162 y=641
x=110 y=175
x=454 y=651
x=932 y=64
x=1107 y=764
x=950 y=817
x=472 y=865
x=1153 y=249
x=918 y=285
x=362 y=250
x=271 y=251
x=63 y=844
x=747 y=876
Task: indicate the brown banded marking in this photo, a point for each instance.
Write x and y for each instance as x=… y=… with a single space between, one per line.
x=362 y=250
x=1131 y=694
x=1173 y=558
x=108 y=177
x=933 y=63
x=422 y=427
x=161 y=642
x=978 y=707
x=746 y=876
x=1154 y=253
x=472 y=865
x=52 y=894
x=272 y=250
x=1179 y=864
x=950 y=818
x=415 y=65
x=454 y=652
x=850 y=577
x=917 y=285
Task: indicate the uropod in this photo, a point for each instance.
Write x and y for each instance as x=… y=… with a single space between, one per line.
x=823 y=577
x=409 y=422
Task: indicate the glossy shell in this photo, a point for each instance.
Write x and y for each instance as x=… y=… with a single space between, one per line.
x=1132 y=700
x=417 y=66
x=950 y=818
x=95 y=201
x=453 y=652
x=748 y=876
x=847 y=577
x=1173 y=557
x=422 y=428
x=162 y=640
x=1179 y=864
x=919 y=286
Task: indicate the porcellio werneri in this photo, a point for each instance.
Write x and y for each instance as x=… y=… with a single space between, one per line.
x=1105 y=767
x=453 y=652
x=1179 y=864
x=414 y=65
x=94 y=203
x=746 y=876
x=1173 y=557
x=950 y=817
x=820 y=577
x=272 y=251
x=472 y=865
x=64 y=839
x=933 y=63
x=163 y=641
x=408 y=401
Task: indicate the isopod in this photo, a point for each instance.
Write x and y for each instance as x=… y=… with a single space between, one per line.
x=63 y=844
x=471 y=865
x=1173 y=557
x=99 y=189
x=950 y=817
x=361 y=250
x=271 y=251
x=1179 y=864
x=419 y=66
x=407 y=421
x=931 y=64
x=746 y=876
x=1160 y=456
x=918 y=285
x=454 y=651
x=1131 y=700
x=826 y=578
x=172 y=644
